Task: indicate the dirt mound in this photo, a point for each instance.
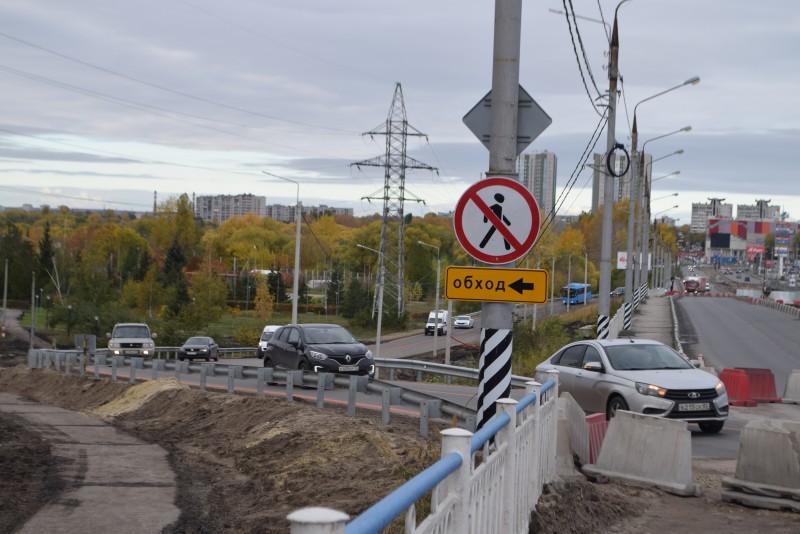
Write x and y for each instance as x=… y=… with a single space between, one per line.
x=243 y=463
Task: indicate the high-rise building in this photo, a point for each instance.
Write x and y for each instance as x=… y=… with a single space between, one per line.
x=219 y=208
x=761 y=210
x=702 y=211
x=537 y=172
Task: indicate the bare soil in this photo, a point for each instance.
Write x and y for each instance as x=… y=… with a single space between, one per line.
x=243 y=463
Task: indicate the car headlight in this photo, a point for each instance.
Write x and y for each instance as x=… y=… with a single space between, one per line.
x=368 y=354
x=113 y=345
x=317 y=355
x=650 y=389
x=720 y=389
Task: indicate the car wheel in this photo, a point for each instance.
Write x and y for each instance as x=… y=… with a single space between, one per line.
x=711 y=427
x=615 y=404
x=181 y=358
x=302 y=366
x=268 y=362
x=206 y=359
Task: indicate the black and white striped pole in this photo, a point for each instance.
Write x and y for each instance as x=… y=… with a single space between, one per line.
x=497 y=319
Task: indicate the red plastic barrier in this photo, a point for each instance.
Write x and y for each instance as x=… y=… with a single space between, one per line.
x=762 y=384
x=779 y=301
x=737 y=384
x=597 y=432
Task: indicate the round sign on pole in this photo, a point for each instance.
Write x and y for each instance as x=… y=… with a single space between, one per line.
x=496 y=220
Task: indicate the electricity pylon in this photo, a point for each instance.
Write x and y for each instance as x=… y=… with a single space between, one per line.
x=395 y=162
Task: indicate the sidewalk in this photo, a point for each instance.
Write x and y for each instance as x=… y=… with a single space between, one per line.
x=654 y=320
x=114 y=482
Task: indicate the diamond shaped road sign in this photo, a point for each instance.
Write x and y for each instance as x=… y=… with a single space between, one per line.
x=531 y=120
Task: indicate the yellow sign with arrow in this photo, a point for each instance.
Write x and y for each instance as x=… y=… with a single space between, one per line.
x=486 y=284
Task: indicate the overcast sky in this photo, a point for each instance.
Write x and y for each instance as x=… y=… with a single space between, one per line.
x=105 y=101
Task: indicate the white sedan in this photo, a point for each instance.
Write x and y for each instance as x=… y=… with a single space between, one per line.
x=463 y=321
x=641 y=376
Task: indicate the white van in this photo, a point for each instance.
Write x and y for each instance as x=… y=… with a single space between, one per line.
x=266 y=334
x=436 y=320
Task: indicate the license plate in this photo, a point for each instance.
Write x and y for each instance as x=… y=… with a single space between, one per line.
x=347 y=368
x=130 y=352
x=694 y=407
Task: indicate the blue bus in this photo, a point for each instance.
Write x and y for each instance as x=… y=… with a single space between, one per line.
x=576 y=293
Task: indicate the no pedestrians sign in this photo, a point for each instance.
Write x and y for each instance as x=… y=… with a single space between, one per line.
x=496 y=220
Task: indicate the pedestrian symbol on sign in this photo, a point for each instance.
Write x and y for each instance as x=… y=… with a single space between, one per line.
x=497 y=209
x=482 y=224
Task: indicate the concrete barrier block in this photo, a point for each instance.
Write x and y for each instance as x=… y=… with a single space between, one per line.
x=565 y=462
x=571 y=412
x=769 y=454
x=792 y=392
x=647 y=451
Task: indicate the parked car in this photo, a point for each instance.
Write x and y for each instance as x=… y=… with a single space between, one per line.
x=463 y=321
x=131 y=339
x=746 y=278
x=618 y=292
x=641 y=376
x=266 y=334
x=327 y=348
x=199 y=347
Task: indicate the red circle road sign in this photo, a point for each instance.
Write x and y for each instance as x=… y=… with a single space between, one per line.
x=496 y=220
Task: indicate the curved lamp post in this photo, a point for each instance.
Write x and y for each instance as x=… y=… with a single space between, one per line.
x=638 y=186
x=436 y=304
x=296 y=277
x=644 y=229
x=380 y=298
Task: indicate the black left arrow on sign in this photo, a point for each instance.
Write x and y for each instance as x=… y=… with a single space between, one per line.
x=519 y=286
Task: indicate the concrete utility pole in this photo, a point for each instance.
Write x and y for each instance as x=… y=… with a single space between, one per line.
x=604 y=300
x=497 y=319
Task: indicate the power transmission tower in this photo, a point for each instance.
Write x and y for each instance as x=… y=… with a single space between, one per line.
x=395 y=162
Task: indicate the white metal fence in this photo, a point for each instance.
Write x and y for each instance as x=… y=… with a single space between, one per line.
x=485 y=483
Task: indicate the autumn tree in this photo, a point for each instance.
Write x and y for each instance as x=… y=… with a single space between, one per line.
x=209 y=292
x=265 y=302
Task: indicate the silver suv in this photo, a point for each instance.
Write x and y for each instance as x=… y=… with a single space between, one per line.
x=131 y=339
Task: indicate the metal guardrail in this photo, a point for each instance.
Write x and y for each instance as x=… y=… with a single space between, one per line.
x=448 y=371
x=431 y=408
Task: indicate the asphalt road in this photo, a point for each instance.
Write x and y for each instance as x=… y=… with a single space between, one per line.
x=730 y=333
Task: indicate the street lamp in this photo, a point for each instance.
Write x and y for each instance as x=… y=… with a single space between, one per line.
x=644 y=229
x=298 y=214
x=604 y=23
x=380 y=298
x=665 y=196
x=674 y=173
x=629 y=273
x=436 y=305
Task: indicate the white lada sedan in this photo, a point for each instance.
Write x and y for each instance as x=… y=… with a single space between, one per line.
x=638 y=375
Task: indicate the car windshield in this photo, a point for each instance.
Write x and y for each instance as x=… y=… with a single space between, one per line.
x=321 y=335
x=462 y=318
x=197 y=341
x=645 y=357
x=131 y=331
x=266 y=336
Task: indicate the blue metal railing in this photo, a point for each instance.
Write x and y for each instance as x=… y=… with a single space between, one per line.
x=379 y=515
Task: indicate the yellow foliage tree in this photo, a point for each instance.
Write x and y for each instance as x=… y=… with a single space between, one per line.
x=265 y=302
